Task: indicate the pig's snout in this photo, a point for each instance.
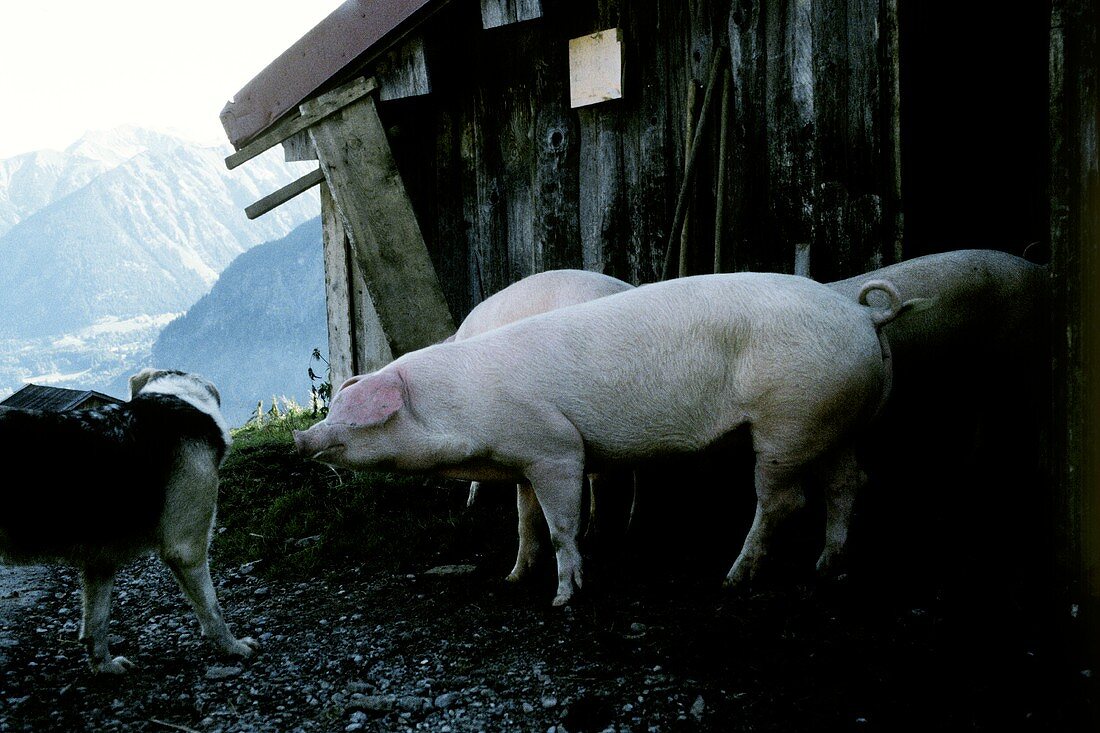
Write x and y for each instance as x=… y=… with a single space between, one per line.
x=316 y=442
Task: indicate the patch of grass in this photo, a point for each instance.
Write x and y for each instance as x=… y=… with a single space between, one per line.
x=298 y=516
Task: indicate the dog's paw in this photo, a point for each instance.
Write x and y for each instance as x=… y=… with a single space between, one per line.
x=118 y=665
x=244 y=647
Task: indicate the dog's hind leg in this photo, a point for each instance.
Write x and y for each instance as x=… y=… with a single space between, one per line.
x=193 y=573
x=98 y=584
x=184 y=538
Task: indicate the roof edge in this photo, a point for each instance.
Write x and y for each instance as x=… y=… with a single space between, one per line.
x=343 y=38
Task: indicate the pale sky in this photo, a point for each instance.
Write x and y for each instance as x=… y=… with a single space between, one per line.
x=69 y=66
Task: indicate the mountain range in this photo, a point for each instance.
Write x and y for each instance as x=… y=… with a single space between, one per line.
x=104 y=243
x=254 y=332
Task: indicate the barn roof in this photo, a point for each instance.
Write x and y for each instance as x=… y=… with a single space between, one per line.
x=351 y=36
x=53 y=399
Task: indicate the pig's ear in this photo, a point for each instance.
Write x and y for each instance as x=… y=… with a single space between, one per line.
x=373 y=402
x=349 y=381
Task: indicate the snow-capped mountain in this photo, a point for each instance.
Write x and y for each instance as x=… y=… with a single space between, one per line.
x=105 y=242
x=32 y=181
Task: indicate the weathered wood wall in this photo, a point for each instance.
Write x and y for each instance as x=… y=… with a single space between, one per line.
x=1075 y=245
x=507 y=180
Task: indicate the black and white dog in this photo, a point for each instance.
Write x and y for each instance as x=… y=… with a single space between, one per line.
x=113 y=483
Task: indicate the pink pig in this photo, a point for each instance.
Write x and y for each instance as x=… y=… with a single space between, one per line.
x=539 y=293
x=661 y=369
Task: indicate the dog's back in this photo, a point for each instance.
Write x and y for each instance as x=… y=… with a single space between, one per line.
x=95 y=479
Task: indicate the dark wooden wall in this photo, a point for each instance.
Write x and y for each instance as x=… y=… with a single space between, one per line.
x=507 y=180
x=1075 y=245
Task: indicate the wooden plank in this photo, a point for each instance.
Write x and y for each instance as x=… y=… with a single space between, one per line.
x=789 y=114
x=483 y=200
x=317 y=111
x=495 y=13
x=746 y=229
x=596 y=68
x=284 y=194
x=341 y=345
x=556 y=139
x=1074 y=74
x=382 y=226
x=602 y=194
x=372 y=347
x=404 y=72
x=298 y=147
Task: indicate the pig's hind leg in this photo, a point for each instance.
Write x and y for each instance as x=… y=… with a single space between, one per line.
x=843 y=478
x=778 y=495
x=558 y=488
x=530 y=532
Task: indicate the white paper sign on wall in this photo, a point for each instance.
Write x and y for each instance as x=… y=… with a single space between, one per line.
x=596 y=68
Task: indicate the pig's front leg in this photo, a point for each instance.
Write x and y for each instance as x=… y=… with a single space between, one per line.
x=558 y=488
x=530 y=532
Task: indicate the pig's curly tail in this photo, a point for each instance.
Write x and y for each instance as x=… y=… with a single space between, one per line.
x=896 y=306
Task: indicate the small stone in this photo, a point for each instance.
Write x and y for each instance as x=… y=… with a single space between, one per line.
x=412 y=703
x=451 y=570
x=217 y=672
x=372 y=703
x=528 y=707
x=637 y=628
x=698 y=707
x=261 y=592
x=549 y=701
x=446 y=700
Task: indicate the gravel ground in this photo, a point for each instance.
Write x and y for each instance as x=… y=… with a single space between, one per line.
x=453 y=648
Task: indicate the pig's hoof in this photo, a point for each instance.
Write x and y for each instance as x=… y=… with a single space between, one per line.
x=562 y=598
x=739 y=577
x=828 y=565
x=518 y=575
x=521 y=571
x=118 y=665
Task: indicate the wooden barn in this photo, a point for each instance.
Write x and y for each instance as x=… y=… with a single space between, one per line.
x=464 y=144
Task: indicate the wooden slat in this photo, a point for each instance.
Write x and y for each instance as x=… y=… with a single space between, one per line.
x=298 y=147
x=284 y=194
x=334 y=101
x=341 y=344
x=379 y=219
x=406 y=72
x=495 y=13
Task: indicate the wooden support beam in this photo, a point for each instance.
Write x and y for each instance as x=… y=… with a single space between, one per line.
x=495 y=13
x=334 y=101
x=341 y=343
x=284 y=194
x=379 y=219
x=356 y=342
